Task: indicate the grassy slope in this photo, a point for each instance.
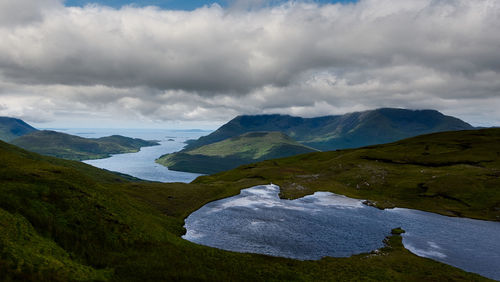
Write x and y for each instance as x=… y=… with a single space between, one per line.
x=64 y=220
x=72 y=147
x=11 y=128
x=383 y=126
x=451 y=173
x=336 y=132
x=230 y=153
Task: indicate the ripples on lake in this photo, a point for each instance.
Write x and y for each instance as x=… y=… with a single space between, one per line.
x=325 y=224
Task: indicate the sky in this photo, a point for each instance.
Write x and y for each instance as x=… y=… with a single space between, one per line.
x=189 y=4
x=175 y=64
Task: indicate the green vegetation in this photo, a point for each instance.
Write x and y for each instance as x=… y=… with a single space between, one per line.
x=11 y=128
x=339 y=132
x=397 y=231
x=253 y=145
x=34 y=257
x=62 y=145
x=63 y=220
x=451 y=173
x=233 y=152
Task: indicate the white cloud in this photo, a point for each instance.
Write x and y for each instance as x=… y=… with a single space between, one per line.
x=213 y=63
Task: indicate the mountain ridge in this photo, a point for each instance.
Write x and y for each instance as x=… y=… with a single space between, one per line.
x=12 y=128
x=350 y=130
x=71 y=147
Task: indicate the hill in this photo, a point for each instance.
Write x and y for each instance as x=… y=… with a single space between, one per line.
x=451 y=173
x=64 y=221
x=11 y=128
x=233 y=152
x=66 y=146
x=339 y=132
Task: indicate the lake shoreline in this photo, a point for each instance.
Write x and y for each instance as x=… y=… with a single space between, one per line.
x=417 y=240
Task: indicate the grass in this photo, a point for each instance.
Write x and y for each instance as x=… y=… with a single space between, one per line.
x=233 y=152
x=64 y=220
x=452 y=173
x=29 y=256
x=397 y=231
x=253 y=145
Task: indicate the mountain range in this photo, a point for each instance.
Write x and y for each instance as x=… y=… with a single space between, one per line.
x=325 y=133
x=350 y=130
x=71 y=147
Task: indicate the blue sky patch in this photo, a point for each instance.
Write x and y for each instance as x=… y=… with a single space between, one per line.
x=173 y=4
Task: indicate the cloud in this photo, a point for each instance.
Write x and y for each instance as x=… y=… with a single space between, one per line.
x=246 y=5
x=25 y=11
x=213 y=63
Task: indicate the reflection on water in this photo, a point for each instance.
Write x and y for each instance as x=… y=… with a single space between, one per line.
x=325 y=224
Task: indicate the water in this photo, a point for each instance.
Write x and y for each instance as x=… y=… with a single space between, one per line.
x=142 y=164
x=325 y=224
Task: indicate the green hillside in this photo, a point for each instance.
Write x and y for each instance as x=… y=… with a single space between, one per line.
x=451 y=173
x=66 y=221
x=66 y=146
x=233 y=152
x=339 y=132
x=11 y=128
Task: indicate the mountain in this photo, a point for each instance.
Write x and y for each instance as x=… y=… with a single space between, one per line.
x=339 y=132
x=11 y=128
x=66 y=146
x=63 y=220
x=230 y=153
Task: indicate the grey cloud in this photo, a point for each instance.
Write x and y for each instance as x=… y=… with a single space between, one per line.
x=15 y=12
x=212 y=51
x=213 y=63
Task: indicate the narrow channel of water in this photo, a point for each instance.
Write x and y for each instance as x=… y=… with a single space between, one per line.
x=142 y=164
x=325 y=224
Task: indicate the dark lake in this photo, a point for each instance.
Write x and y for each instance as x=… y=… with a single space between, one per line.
x=325 y=224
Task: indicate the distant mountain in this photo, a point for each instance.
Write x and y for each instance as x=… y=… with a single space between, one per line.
x=11 y=128
x=342 y=131
x=66 y=146
x=233 y=152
